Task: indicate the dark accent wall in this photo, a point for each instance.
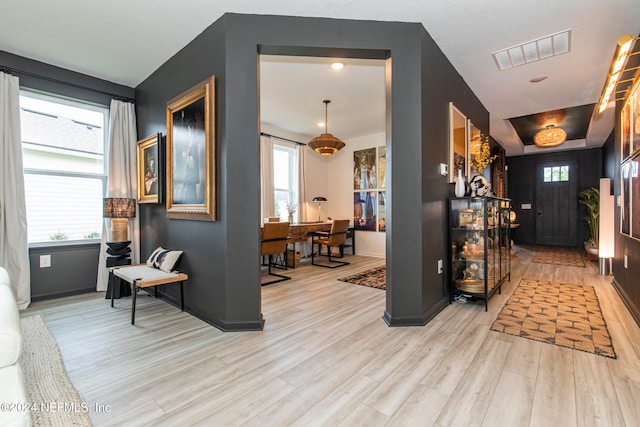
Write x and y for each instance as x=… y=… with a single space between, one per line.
x=222 y=257
x=521 y=187
x=74 y=270
x=59 y=81
x=625 y=280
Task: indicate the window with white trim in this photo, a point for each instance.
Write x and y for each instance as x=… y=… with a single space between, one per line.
x=285 y=180
x=63 y=146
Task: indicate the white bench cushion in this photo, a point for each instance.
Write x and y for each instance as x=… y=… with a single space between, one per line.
x=142 y=272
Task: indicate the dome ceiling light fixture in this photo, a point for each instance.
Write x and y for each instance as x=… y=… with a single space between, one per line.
x=550 y=136
x=326 y=144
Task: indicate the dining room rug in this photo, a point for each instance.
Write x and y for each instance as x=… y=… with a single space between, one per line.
x=559 y=255
x=557 y=313
x=54 y=400
x=373 y=277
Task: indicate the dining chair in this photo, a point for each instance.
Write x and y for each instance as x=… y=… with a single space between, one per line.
x=335 y=238
x=273 y=241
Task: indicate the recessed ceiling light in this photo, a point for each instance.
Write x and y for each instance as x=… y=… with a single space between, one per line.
x=337 y=66
x=538 y=79
x=321 y=124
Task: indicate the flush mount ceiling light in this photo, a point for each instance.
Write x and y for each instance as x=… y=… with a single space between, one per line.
x=534 y=50
x=615 y=71
x=337 y=66
x=550 y=136
x=326 y=144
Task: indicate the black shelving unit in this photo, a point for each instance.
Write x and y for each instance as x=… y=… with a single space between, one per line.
x=480 y=258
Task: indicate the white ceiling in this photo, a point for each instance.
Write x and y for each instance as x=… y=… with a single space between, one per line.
x=125 y=41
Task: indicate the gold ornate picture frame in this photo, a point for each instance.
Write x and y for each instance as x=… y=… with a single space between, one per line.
x=150 y=168
x=191 y=153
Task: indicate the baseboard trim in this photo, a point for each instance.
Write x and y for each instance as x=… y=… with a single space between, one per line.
x=45 y=297
x=416 y=321
x=627 y=301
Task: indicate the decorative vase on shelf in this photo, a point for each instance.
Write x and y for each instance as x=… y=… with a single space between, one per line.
x=290 y=219
x=460 y=187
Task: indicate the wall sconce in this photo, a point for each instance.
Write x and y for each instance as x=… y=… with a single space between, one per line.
x=606 y=229
x=119 y=210
x=319 y=200
x=617 y=68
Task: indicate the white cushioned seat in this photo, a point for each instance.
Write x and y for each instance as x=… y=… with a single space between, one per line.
x=12 y=390
x=10 y=332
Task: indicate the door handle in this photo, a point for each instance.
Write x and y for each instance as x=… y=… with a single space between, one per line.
x=539 y=213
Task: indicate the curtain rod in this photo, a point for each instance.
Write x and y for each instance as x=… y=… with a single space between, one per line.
x=279 y=137
x=14 y=71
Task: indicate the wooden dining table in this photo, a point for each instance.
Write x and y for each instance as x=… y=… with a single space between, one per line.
x=299 y=232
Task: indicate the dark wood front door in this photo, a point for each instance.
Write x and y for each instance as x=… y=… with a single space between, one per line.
x=556 y=203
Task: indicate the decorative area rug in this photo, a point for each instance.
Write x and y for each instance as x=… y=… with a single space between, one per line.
x=563 y=314
x=374 y=278
x=558 y=255
x=46 y=382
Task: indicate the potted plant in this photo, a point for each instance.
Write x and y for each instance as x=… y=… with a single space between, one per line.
x=590 y=198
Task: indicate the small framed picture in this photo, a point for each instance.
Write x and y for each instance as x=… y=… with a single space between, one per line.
x=150 y=167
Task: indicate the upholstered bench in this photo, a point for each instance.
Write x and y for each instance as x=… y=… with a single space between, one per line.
x=143 y=276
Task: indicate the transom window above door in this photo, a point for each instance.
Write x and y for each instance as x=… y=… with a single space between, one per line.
x=556 y=173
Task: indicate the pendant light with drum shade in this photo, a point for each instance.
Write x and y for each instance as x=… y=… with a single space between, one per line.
x=326 y=144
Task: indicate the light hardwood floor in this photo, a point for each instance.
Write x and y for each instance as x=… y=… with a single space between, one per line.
x=326 y=357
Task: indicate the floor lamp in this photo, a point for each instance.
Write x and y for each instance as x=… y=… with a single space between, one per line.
x=319 y=200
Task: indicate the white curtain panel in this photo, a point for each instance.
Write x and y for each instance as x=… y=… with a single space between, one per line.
x=267 y=204
x=303 y=209
x=14 y=255
x=121 y=179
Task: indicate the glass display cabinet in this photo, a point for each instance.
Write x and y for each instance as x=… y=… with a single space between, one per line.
x=480 y=246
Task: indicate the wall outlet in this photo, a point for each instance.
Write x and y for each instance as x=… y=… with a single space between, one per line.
x=45 y=261
x=625 y=261
x=444 y=169
x=439 y=266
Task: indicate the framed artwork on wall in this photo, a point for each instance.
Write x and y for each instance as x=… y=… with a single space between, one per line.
x=625 y=130
x=634 y=101
x=458 y=151
x=369 y=177
x=191 y=153
x=625 y=208
x=634 y=178
x=150 y=167
x=364 y=169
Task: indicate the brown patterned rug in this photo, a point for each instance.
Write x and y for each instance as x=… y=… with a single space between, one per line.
x=563 y=314
x=374 y=278
x=558 y=255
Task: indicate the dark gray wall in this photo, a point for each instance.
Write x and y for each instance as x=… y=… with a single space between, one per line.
x=59 y=81
x=440 y=84
x=625 y=280
x=221 y=257
x=521 y=183
x=74 y=270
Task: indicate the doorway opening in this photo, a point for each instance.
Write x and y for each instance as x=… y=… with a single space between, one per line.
x=292 y=112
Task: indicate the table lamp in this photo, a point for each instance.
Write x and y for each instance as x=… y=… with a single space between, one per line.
x=319 y=200
x=119 y=210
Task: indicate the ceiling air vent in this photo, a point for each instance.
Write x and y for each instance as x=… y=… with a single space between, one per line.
x=535 y=50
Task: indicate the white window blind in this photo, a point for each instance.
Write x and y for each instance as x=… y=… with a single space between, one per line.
x=63 y=145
